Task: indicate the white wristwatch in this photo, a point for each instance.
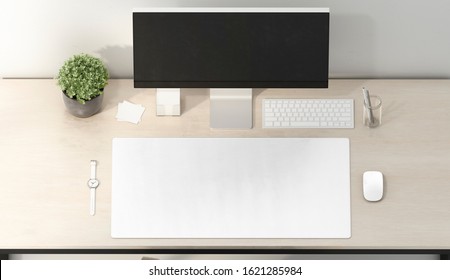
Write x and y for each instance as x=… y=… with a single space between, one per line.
x=93 y=184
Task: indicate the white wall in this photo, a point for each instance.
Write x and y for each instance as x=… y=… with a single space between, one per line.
x=383 y=38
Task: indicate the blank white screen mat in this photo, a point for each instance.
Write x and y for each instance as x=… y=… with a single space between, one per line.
x=231 y=188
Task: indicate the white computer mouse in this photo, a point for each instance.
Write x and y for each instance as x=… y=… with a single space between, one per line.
x=373 y=185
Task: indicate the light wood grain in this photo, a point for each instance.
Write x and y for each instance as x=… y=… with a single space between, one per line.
x=45 y=154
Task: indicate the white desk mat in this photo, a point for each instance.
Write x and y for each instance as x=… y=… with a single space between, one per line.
x=231 y=188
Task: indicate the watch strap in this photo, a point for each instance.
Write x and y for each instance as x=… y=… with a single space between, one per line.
x=93 y=169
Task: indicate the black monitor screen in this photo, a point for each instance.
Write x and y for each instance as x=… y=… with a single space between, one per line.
x=251 y=50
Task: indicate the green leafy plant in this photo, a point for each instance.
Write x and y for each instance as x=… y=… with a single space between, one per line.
x=83 y=77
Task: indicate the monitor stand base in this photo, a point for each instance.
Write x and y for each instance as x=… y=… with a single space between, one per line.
x=231 y=108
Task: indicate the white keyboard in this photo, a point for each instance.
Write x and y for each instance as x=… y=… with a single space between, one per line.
x=307 y=113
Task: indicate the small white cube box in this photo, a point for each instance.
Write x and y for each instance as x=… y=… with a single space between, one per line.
x=168 y=102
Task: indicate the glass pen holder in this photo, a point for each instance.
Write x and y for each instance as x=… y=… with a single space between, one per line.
x=372 y=112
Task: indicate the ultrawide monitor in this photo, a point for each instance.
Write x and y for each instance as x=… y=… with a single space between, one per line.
x=231 y=47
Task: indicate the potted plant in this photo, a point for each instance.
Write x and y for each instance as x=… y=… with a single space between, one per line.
x=82 y=79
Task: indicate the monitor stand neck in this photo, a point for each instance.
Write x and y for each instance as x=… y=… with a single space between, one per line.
x=231 y=108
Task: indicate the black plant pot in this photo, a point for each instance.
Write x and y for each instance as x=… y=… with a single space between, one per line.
x=91 y=107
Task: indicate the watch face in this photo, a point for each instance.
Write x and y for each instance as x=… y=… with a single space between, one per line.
x=93 y=183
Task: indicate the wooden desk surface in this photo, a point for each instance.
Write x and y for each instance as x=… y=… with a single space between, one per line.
x=45 y=154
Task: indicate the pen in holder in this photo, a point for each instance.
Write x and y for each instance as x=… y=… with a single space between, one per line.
x=372 y=109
